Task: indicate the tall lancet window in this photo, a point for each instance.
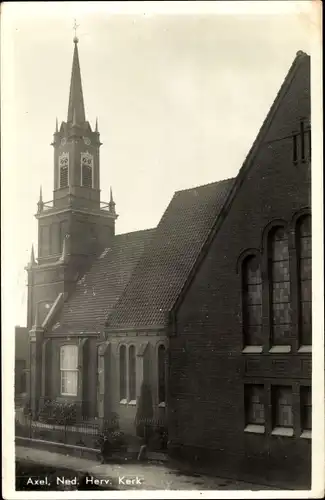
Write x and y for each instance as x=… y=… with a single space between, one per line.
x=64 y=169
x=87 y=163
x=280 y=287
x=304 y=248
x=252 y=300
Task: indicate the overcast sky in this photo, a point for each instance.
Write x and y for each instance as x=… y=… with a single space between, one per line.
x=179 y=100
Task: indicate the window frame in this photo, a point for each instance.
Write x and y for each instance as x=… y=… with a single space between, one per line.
x=64 y=155
x=298 y=239
x=279 y=428
x=127 y=381
x=244 y=283
x=251 y=426
x=66 y=371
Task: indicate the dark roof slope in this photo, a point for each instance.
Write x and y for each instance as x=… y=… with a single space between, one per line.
x=98 y=290
x=166 y=263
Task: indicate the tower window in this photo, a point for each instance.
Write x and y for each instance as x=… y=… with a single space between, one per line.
x=64 y=170
x=87 y=170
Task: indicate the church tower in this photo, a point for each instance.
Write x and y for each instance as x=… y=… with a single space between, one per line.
x=75 y=226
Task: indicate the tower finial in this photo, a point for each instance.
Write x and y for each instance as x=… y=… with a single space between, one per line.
x=32 y=261
x=96 y=127
x=40 y=204
x=65 y=253
x=76 y=100
x=111 y=201
x=75 y=26
x=56 y=125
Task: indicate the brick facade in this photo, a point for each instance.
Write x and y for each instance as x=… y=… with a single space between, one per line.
x=208 y=369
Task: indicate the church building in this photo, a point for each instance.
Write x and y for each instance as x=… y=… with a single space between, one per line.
x=211 y=310
x=239 y=384
x=98 y=301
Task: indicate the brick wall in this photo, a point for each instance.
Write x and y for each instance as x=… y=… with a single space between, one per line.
x=207 y=366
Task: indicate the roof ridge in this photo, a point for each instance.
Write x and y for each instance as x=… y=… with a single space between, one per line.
x=205 y=185
x=134 y=232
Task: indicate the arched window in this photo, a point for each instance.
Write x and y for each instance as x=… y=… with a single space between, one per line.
x=123 y=373
x=69 y=370
x=252 y=300
x=161 y=374
x=87 y=169
x=304 y=265
x=279 y=274
x=64 y=169
x=132 y=374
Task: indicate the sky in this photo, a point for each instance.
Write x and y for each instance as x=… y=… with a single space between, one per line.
x=179 y=99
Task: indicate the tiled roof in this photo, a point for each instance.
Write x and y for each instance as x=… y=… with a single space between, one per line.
x=165 y=264
x=98 y=290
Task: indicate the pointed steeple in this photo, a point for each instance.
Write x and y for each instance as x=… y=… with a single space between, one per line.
x=56 y=125
x=32 y=261
x=96 y=127
x=111 y=202
x=76 y=100
x=40 y=204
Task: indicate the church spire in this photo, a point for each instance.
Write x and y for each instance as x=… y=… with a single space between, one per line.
x=76 y=108
x=32 y=261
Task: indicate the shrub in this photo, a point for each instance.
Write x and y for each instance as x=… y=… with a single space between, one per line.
x=60 y=413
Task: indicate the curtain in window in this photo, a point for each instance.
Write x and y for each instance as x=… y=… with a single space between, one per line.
x=69 y=370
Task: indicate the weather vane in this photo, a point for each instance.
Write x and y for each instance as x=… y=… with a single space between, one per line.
x=75 y=26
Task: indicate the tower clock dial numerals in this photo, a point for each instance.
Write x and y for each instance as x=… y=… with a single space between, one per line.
x=63 y=141
x=87 y=141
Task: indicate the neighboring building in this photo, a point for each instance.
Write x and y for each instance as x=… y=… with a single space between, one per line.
x=239 y=385
x=21 y=362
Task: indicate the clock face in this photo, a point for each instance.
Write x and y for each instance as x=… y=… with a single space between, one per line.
x=87 y=141
x=63 y=141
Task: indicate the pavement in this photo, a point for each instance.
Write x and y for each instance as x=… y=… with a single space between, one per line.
x=136 y=476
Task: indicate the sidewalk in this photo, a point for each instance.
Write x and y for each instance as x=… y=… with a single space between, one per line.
x=151 y=476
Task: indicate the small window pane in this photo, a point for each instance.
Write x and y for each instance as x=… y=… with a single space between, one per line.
x=254 y=404
x=282 y=406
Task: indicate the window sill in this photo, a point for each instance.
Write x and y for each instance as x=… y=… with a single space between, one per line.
x=251 y=349
x=132 y=402
x=282 y=431
x=123 y=402
x=255 y=429
x=280 y=349
x=306 y=435
x=305 y=348
x=162 y=404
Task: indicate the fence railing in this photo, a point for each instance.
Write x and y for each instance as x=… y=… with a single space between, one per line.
x=87 y=433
